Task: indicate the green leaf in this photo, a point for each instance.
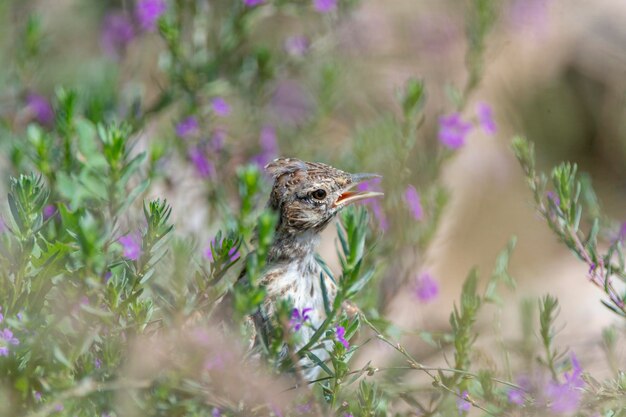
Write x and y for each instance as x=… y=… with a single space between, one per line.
x=319 y=363
x=60 y=356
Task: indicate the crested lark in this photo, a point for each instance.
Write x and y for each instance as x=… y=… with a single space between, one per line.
x=306 y=196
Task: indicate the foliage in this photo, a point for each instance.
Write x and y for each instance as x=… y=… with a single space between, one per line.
x=108 y=309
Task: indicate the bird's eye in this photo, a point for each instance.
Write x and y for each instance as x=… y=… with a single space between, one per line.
x=319 y=194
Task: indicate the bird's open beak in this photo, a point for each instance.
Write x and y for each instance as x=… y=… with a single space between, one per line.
x=349 y=197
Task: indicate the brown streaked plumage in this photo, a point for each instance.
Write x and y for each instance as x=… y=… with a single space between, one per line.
x=307 y=196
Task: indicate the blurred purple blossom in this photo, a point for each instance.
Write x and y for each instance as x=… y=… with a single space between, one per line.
x=291 y=103
x=49 y=211
x=426 y=288
x=305 y=408
x=453 y=130
x=276 y=410
x=216 y=412
x=58 y=407
x=131 y=246
x=20 y=316
x=204 y=167
x=566 y=397
x=40 y=108
x=37 y=396
x=462 y=403
x=413 y=201
x=516 y=396
x=107 y=276
x=217 y=139
x=485 y=118
x=117 y=33
x=554 y=198
x=298 y=318
x=220 y=107
x=374 y=203
x=297 y=45
x=97 y=363
x=269 y=146
x=148 y=13
x=529 y=14
x=324 y=6
x=251 y=3
x=1 y=315
x=340 y=332
x=188 y=128
x=6 y=336
x=214 y=363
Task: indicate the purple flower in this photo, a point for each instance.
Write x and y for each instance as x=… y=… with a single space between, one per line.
x=252 y=3
x=20 y=316
x=462 y=403
x=566 y=397
x=412 y=198
x=204 y=167
x=554 y=198
x=58 y=407
x=216 y=412
x=297 y=46
x=269 y=146
x=48 y=211
x=217 y=139
x=340 y=333
x=324 y=6
x=117 y=33
x=37 y=396
x=40 y=108
x=291 y=103
x=379 y=214
x=516 y=396
x=305 y=408
x=531 y=14
x=485 y=118
x=7 y=336
x=233 y=254
x=426 y=288
x=453 y=130
x=188 y=128
x=97 y=363
x=107 y=276
x=298 y=318
x=1 y=315
x=148 y=13
x=215 y=363
x=131 y=245
x=220 y=107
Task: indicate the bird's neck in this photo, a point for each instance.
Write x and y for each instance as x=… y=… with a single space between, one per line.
x=293 y=247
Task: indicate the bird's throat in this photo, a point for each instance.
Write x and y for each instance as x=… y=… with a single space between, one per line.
x=290 y=247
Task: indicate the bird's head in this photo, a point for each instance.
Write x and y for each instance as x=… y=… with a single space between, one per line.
x=307 y=195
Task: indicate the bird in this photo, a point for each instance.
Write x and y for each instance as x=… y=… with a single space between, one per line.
x=306 y=196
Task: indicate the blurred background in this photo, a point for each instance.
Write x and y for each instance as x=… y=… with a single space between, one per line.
x=551 y=70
